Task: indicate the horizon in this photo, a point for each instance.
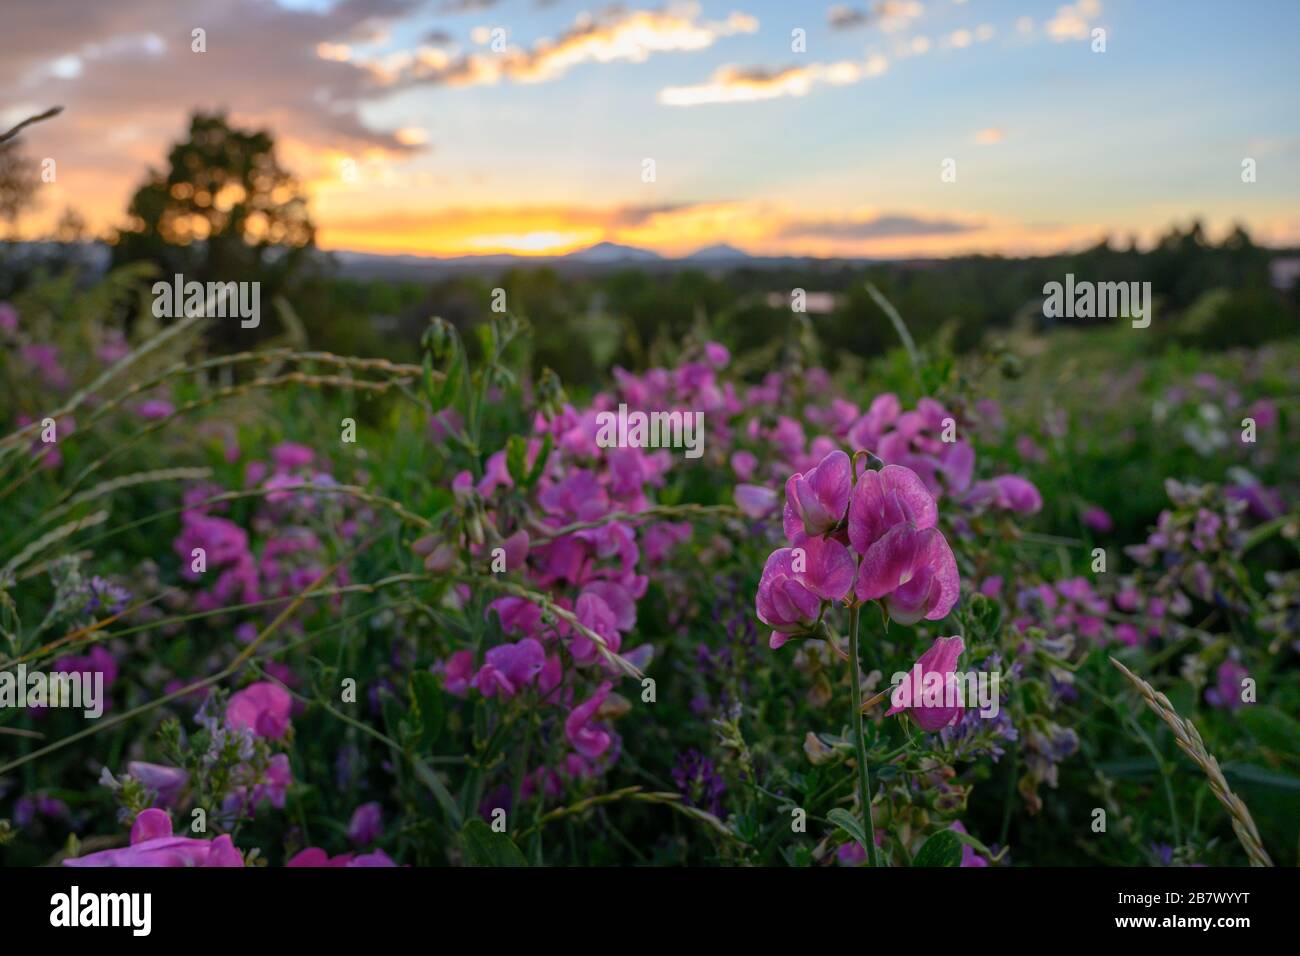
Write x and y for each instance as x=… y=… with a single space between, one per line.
x=418 y=129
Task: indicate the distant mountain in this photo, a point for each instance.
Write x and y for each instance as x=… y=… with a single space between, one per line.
x=717 y=253
x=605 y=252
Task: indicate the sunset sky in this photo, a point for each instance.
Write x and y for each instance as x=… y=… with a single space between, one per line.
x=448 y=127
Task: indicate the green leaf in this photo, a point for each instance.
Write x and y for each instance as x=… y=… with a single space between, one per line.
x=517 y=458
x=1272 y=728
x=1248 y=773
x=484 y=847
x=426 y=707
x=942 y=849
x=451 y=382
x=848 y=823
x=543 y=454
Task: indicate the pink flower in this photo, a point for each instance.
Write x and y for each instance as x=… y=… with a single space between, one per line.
x=456 y=673
x=744 y=464
x=930 y=690
x=516 y=550
x=1098 y=519
x=316 y=857
x=589 y=740
x=596 y=615
x=796 y=580
x=884 y=499
x=815 y=502
x=289 y=456
x=1018 y=494
x=717 y=354
x=509 y=668
x=154 y=409
x=152 y=844
x=913 y=572
x=755 y=500
x=263 y=708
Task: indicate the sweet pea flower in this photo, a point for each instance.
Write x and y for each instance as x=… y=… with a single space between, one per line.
x=755 y=500
x=930 y=690
x=509 y=667
x=913 y=572
x=816 y=501
x=744 y=464
x=366 y=825
x=263 y=708
x=1098 y=519
x=167 y=782
x=316 y=857
x=589 y=740
x=152 y=844
x=883 y=499
x=1226 y=692
x=457 y=672
x=796 y=580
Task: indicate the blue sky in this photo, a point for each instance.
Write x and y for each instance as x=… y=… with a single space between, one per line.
x=416 y=133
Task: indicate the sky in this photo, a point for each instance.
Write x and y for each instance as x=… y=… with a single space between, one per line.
x=537 y=127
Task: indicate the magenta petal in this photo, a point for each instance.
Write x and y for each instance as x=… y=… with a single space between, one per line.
x=150 y=825
x=888 y=563
x=883 y=499
x=830 y=568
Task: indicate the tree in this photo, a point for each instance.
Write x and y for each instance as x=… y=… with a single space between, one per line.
x=224 y=211
x=18 y=182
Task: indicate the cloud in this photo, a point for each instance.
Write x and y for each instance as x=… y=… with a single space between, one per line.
x=889 y=15
x=734 y=84
x=128 y=78
x=612 y=35
x=454 y=7
x=873 y=227
x=1072 y=22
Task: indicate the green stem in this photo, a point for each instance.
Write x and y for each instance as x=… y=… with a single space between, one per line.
x=864 y=779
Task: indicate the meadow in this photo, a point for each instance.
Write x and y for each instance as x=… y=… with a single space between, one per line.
x=359 y=611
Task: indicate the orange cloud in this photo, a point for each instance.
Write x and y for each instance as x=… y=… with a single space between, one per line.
x=631 y=36
x=733 y=84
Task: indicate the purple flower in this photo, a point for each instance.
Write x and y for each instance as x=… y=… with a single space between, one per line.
x=509 y=668
x=167 y=782
x=1226 y=693
x=366 y=825
x=698 y=782
x=968 y=855
x=815 y=502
